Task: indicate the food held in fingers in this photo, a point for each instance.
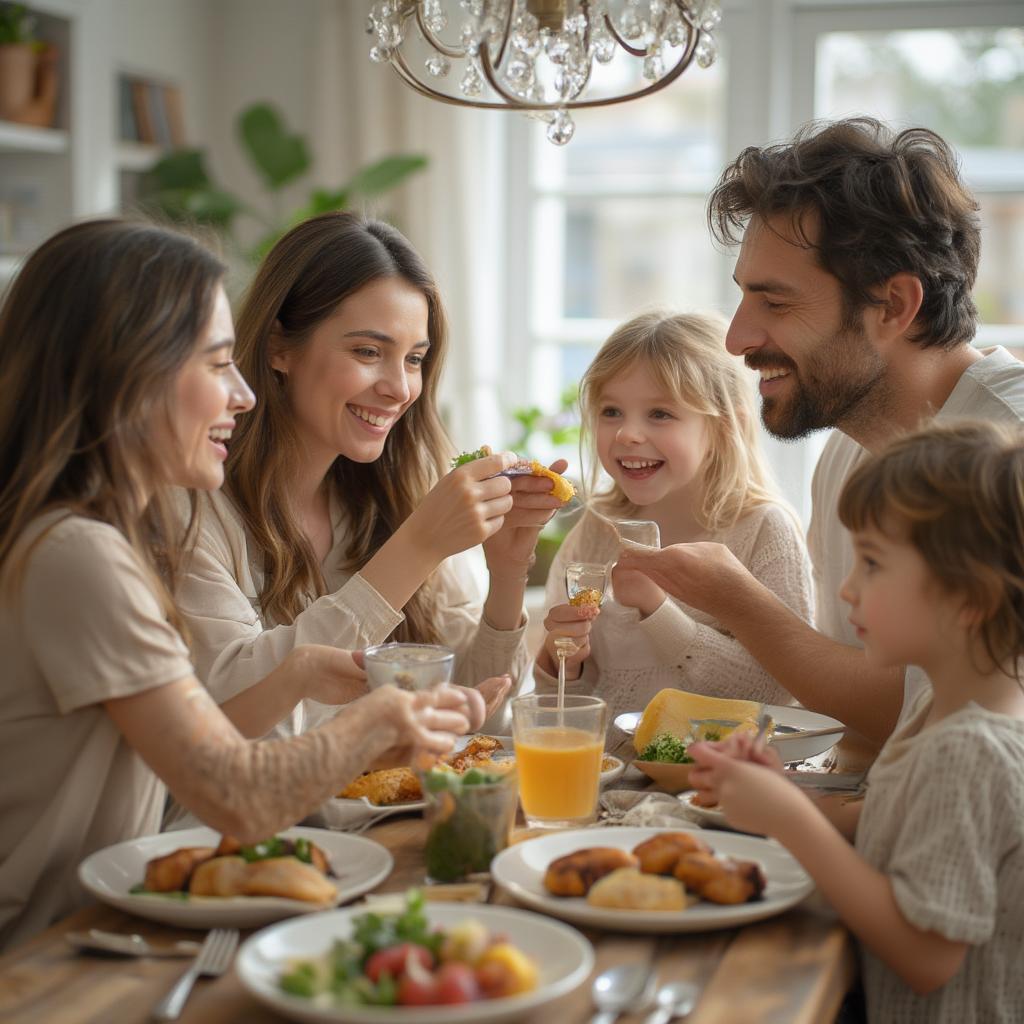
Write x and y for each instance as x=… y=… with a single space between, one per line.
x=561 y=488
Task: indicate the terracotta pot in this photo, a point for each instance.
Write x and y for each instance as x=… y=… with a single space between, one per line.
x=17 y=78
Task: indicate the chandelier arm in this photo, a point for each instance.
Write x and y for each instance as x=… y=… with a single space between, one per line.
x=437 y=44
x=400 y=65
x=622 y=42
x=507 y=34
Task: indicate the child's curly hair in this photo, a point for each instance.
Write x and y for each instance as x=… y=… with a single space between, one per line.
x=956 y=493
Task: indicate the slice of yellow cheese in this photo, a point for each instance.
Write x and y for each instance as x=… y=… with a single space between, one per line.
x=671 y=711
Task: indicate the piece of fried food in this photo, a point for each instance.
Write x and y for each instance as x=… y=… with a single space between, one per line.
x=475 y=753
x=575 y=873
x=629 y=889
x=659 y=854
x=171 y=872
x=560 y=487
x=286 y=877
x=720 y=879
x=384 y=787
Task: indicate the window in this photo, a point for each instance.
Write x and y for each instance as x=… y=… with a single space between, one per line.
x=615 y=222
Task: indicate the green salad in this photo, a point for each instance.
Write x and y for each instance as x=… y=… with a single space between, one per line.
x=671 y=749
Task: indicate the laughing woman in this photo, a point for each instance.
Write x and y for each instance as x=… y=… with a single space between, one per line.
x=115 y=370
x=340 y=520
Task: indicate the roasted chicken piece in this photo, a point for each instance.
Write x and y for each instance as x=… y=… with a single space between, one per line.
x=384 y=787
x=659 y=854
x=575 y=873
x=478 y=750
x=720 y=879
x=171 y=872
x=286 y=877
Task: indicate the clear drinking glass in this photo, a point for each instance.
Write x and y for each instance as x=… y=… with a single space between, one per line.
x=558 y=757
x=642 y=533
x=586 y=583
x=408 y=666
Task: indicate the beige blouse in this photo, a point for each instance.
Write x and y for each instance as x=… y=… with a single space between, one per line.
x=632 y=659
x=83 y=626
x=235 y=644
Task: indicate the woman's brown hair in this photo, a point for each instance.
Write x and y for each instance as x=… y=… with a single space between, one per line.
x=300 y=284
x=880 y=203
x=956 y=493
x=95 y=328
x=686 y=355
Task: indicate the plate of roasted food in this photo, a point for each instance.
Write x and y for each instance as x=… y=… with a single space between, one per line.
x=195 y=878
x=652 y=880
x=675 y=718
x=432 y=963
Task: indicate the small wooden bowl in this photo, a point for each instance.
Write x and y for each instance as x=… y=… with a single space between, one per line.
x=672 y=778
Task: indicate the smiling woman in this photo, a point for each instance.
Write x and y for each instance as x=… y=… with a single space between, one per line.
x=340 y=516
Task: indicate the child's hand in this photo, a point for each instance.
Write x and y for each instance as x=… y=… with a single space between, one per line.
x=564 y=620
x=752 y=795
x=635 y=590
x=740 y=746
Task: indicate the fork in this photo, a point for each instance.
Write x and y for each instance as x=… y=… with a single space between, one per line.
x=213 y=960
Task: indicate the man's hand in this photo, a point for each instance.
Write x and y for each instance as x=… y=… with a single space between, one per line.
x=703 y=575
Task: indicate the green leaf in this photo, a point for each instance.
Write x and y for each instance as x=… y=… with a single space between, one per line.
x=278 y=156
x=565 y=435
x=385 y=174
x=180 y=169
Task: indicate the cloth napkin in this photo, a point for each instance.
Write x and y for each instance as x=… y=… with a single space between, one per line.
x=645 y=810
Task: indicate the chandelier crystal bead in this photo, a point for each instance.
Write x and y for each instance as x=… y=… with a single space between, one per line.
x=537 y=56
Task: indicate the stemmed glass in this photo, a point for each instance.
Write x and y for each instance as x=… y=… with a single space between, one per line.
x=586 y=583
x=638 y=533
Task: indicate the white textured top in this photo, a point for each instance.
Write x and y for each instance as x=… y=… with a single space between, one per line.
x=944 y=819
x=992 y=388
x=84 y=627
x=677 y=646
x=235 y=645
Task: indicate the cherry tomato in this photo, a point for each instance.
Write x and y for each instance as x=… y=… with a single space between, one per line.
x=418 y=990
x=394 y=960
x=456 y=983
x=494 y=980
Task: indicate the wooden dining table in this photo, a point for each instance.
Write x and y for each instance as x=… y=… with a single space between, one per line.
x=791 y=969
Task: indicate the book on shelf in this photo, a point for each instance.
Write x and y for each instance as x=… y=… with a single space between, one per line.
x=143 y=115
x=151 y=112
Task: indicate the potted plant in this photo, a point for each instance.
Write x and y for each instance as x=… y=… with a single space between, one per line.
x=17 y=60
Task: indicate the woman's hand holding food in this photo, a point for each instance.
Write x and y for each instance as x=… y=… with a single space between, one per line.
x=509 y=551
x=635 y=590
x=466 y=507
x=424 y=722
x=565 y=620
x=490 y=694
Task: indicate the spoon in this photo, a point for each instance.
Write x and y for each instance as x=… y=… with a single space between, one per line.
x=626 y=987
x=128 y=945
x=676 y=999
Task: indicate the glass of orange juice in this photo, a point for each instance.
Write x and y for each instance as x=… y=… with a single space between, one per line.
x=558 y=757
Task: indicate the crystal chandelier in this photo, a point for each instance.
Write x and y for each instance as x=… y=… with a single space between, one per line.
x=537 y=56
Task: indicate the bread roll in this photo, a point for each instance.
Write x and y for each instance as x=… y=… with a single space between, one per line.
x=629 y=889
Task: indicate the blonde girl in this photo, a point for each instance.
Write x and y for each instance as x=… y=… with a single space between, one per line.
x=116 y=382
x=669 y=415
x=933 y=885
x=340 y=517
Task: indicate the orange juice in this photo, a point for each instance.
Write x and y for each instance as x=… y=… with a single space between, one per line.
x=559 y=772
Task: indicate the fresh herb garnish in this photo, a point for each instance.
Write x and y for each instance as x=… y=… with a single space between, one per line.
x=463 y=457
x=666 y=748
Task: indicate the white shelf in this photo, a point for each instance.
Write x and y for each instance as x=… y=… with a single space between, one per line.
x=23 y=138
x=137 y=156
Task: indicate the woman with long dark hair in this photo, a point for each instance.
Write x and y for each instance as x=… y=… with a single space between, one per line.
x=340 y=517
x=117 y=381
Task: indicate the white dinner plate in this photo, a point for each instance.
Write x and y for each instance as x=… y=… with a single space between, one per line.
x=345 y=812
x=564 y=959
x=520 y=871
x=508 y=748
x=109 y=874
x=789 y=723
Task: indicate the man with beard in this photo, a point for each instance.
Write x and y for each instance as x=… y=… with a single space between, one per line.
x=859 y=252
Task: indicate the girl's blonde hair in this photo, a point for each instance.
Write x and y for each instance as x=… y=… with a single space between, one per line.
x=96 y=327
x=686 y=355
x=955 y=492
x=300 y=283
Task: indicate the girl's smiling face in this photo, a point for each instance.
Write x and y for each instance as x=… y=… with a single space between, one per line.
x=648 y=442
x=359 y=370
